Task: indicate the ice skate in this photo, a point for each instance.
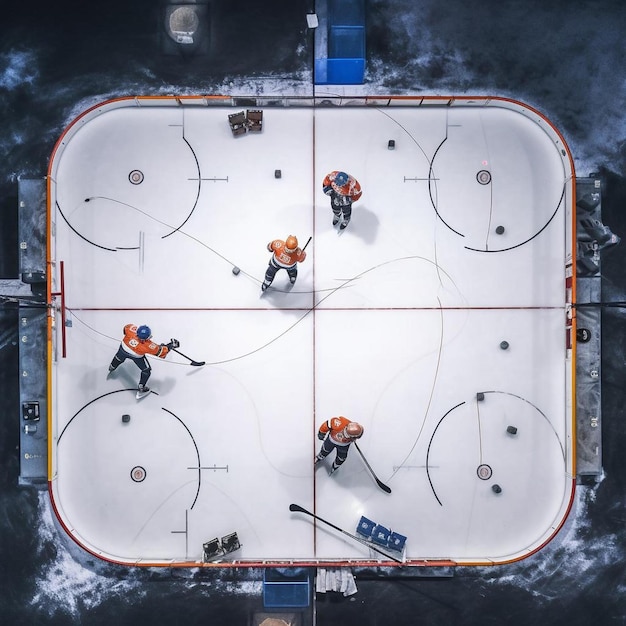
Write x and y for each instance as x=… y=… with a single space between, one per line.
x=142 y=392
x=335 y=220
x=343 y=225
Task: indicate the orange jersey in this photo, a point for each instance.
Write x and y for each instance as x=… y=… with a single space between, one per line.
x=282 y=257
x=140 y=347
x=335 y=426
x=352 y=189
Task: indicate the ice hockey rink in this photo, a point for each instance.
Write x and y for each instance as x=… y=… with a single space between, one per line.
x=438 y=319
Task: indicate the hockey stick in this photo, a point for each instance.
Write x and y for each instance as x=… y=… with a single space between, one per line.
x=192 y=362
x=307 y=243
x=381 y=484
x=298 y=508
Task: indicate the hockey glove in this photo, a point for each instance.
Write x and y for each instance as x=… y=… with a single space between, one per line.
x=328 y=190
x=321 y=436
x=173 y=344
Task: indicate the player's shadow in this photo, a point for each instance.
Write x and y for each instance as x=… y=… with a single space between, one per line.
x=162 y=385
x=364 y=224
x=127 y=374
x=290 y=299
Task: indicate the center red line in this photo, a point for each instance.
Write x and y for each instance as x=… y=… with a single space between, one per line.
x=314 y=308
x=314 y=416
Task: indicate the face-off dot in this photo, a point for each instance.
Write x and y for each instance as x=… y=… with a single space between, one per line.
x=138 y=474
x=136 y=177
x=483 y=177
x=484 y=472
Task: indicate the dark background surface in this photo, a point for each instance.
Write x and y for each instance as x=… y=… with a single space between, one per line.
x=564 y=57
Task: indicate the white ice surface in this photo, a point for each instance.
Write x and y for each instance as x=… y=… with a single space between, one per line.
x=395 y=322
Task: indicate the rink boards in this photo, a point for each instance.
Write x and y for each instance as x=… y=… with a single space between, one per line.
x=439 y=320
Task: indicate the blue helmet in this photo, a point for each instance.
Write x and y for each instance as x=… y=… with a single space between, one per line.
x=341 y=178
x=144 y=332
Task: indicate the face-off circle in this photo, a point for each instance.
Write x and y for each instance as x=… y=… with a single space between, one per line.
x=484 y=472
x=136 y=177
x=483 y=177
x=138 y=473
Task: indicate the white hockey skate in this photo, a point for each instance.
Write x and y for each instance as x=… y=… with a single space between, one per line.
x=142 y=392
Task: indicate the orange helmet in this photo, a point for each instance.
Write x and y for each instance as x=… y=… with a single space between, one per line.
x=355 y=430
x=291 y=244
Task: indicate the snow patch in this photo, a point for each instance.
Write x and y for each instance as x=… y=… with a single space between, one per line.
x=64 y=585
x=17 y=68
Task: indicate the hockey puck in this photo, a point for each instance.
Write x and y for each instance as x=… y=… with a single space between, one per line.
x=504 y=345
x=236 y=270
x=500 y=230
x=125 y=418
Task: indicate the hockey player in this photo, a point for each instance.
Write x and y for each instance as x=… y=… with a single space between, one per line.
x=286 y=255
x=136 y=345
x=337 y=433
x=343 y=190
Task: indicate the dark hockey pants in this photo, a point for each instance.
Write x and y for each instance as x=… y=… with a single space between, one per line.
x=339 y=205
x=272 y=268
x=140 y=361
x=327 y=448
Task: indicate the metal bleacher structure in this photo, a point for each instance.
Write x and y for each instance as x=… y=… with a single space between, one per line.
x=592 y=238
x=32 y=328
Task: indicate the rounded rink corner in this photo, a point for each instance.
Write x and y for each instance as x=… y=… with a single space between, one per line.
x=440 y=319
